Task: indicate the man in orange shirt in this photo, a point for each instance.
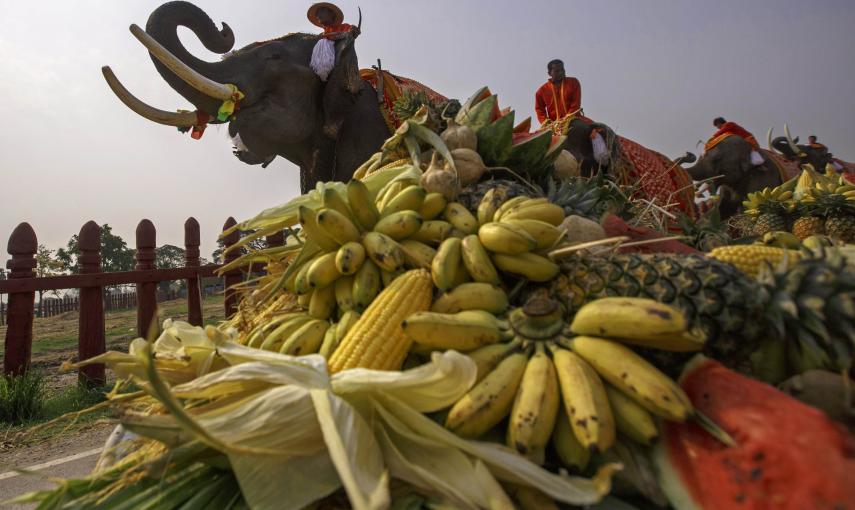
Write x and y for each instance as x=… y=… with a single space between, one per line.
x=728 y=127
x=559 y=96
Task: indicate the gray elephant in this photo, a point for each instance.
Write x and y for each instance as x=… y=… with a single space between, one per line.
x=326 y=128
x=729 y=164
x=816 y=155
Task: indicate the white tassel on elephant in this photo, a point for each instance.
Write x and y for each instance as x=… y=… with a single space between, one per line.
x=323 y=58
x=601 y=153
x=756 y=158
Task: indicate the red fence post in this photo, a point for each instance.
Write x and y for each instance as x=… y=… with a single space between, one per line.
x=19 y=333
x=91 y=338
x=146 y=292
x=191 y=259
x=232 y=277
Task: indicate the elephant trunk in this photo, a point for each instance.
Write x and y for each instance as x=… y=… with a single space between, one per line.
x=162 y=26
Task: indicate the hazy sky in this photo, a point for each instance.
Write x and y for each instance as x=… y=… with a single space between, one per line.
x=657 y=71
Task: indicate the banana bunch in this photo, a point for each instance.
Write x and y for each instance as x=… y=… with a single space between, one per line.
x=576 y=392
x=299 y=333
x=355 y=245
x=782 y=195
x=510 y=237
x=835 y=186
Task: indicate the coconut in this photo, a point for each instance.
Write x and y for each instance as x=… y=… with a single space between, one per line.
x=440 y=179
x=470 y=166
x=566 y=166
x=457 y=136
x=581 y=230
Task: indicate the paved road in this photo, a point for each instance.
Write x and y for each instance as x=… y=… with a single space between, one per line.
x=70 y=459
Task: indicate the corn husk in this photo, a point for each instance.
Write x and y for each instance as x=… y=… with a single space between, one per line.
x=293 y=434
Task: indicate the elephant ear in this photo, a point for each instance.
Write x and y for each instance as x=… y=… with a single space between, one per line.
x=342 y=88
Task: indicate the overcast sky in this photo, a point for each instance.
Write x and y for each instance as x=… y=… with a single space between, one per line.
x=657 y=71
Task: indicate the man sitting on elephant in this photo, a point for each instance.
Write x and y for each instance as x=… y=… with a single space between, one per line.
x=727 y=128
x=559 y=97
x=329 y=17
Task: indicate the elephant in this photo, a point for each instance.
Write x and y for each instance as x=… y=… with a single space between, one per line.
x=789 y=147
x=326 y=128
x=593 y=156
x=729 y=164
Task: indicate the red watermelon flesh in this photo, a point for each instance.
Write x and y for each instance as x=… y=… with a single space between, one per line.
x=788 y=455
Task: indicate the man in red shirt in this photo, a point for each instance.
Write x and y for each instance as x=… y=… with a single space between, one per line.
x=558 y=97
x=728 y=127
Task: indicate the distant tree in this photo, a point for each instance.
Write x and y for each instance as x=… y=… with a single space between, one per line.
x=47 y=265
x=169 y=256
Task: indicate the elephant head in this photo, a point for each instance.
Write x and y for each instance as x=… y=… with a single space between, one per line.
x=818 y=157
x=594 y=145
x=728 y=166
x=283 y=109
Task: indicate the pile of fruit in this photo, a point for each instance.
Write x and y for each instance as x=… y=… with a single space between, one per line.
x=810 y=204
x=504 y=340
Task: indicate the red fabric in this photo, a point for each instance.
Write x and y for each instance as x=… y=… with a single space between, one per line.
x=786 y=168
x=393 y=88
x=331 y=30
x=550 y=105
x=615 y=226
x=736 y=129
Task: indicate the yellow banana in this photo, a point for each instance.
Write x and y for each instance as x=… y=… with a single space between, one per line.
x=477 y=261
x=329 y=344
x=306 y=340
x=462 y=331
x=528 y=265
x=344 y=293
x=322 y=305
x=631 y=419
x=291 y=282
x=461 y=276
x=311 y=230
x=337 y=226
x=260 y=334
x=383 y=251
x=387 y=276
x=585 y=401
x=489 y=401
x=301 y=282
x=389 y=192
x=362 y=204
x=549 y=213
x=432 y=206
x=433 y=232
x=505 y=238
x=459 y=216
x=410 y=199
x=366 y=285
x=274 y=339
x=416 y=254
x=331 y=199
x=349 y=258
x=399 y=225
x=571 y=453
x=638 y=321
x=488 y=357
x=545 y=234
x=535 y=408
x=633 y=375
x=508 y=205
x=323 y=271
x=445 y=264
x=490 y=203
x=472 y=296
x=304 y=299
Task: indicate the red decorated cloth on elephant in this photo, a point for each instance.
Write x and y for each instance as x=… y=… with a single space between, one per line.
x=614 y=226
x=552 y=106
x=728 y=129
x=786 y=169
x=331 y=30
x=393 y=88
x=660 y=179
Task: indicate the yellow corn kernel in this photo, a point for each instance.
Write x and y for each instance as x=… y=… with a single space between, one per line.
x=377 y=340
x=751 y=258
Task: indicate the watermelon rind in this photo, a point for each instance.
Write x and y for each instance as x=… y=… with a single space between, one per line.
x=479 y=95
x=479 y=115
x=526 y=156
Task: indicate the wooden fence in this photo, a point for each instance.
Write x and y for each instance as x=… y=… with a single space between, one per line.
x=22 y=285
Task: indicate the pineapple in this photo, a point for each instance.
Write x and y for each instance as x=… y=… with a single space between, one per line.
x=839 y=216
x=770 y=208
x=588 y=197
x=803 y=315
x=707 y=233
x=808 y=223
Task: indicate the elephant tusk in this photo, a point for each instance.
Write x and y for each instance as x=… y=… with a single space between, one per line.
x=193 y=78
x=769 y=137
x=184 y=119
x=790 y=141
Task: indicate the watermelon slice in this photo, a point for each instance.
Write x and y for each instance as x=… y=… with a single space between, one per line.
x=788 y=455
x=481 y=114
x=479 y=95
x=524 y=126
x=528 y=151
x=494 y=140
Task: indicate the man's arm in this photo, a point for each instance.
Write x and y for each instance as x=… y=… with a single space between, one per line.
x=575 y=96
x=540 y=106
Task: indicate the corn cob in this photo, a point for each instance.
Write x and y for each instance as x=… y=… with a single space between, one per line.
x=377 y=340
x=751 y=258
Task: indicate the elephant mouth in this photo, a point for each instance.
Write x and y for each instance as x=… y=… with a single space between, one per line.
x=192 y=77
